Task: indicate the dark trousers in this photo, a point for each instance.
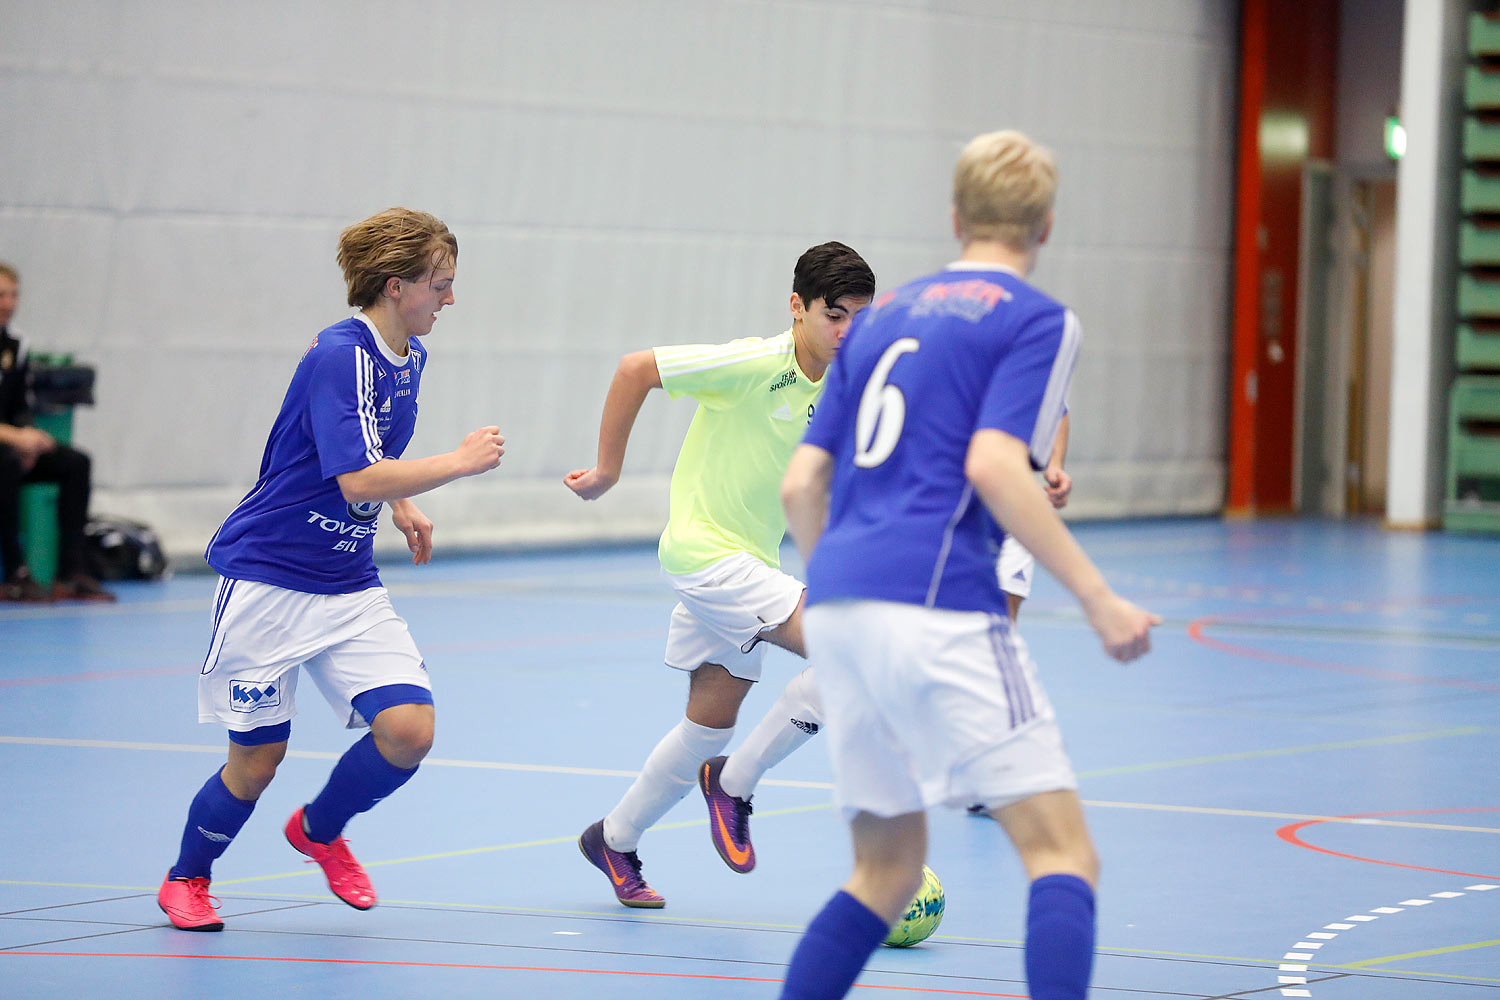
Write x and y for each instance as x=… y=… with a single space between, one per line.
x=69 y=469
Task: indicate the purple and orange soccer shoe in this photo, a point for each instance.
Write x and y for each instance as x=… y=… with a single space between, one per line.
x=623 y=869
x=728 y=818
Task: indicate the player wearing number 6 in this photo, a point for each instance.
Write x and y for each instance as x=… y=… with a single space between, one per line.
x=298 y=586
x=947 y=392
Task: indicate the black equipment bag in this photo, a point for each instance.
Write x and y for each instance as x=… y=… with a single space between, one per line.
x=118 y=549
x=54 y=386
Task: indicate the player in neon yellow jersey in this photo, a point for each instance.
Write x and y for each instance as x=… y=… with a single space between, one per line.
x=720 y=550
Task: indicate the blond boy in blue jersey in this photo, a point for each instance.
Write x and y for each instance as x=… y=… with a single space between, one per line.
x=720 y=550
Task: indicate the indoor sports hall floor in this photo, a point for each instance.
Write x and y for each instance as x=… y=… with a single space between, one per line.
x=1301 y=783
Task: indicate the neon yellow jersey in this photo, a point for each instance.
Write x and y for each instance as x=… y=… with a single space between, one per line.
x=754 y=403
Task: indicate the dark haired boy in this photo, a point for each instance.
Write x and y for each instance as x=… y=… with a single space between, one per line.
x=720 y=550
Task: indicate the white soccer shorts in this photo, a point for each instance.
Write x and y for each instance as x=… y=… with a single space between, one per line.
x=927 y=706
x=1016 y=568
x=722 y=611
x=348 y=643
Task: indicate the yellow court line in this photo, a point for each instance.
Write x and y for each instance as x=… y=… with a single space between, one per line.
x=1418 y=954
x=470 y=851
x=1284 y=751
x=323 y=897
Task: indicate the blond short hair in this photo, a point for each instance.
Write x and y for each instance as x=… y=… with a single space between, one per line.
x=397 y=243
x=1003 y=189
x=10 y=272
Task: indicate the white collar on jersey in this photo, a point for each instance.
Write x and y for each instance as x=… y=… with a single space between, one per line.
x=385 y=348
x=975 y=265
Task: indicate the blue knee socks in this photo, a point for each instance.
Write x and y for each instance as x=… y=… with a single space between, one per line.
x=833 y=950
x=1059 y=938
x=361 y=778
x=212 y=822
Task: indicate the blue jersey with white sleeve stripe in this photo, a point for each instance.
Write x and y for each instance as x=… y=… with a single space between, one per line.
x=922 y=369
x=352 y=402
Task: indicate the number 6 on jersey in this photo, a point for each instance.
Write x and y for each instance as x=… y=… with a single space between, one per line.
x=882 y=409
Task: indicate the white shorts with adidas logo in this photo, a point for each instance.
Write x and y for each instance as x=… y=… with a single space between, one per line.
x=1016 y=568
x=927 y=706
x=264 y=636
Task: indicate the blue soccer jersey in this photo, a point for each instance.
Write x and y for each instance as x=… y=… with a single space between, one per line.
x=351 y=403
x=921 y=370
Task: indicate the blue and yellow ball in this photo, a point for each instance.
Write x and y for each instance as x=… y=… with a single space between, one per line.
x=921 y=919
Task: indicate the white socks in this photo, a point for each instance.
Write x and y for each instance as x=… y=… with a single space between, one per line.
x=791 y=722
x=668 y=774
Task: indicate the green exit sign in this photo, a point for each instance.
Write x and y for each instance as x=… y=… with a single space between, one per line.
x=1395 y=138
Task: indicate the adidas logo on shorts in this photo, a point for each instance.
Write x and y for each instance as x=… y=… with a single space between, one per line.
x=810 y=728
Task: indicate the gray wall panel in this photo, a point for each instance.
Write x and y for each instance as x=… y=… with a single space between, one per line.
x=619 y=174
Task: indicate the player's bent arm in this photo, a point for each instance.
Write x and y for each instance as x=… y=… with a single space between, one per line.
x=1000 y=469
x=399 y=478
x=634 y=379
x=804 y=495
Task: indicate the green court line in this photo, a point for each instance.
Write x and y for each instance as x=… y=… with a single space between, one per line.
x=1418 y=954
x=1283 y=751
x=548 y=842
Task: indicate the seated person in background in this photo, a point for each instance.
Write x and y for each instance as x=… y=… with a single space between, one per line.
x=29 y=455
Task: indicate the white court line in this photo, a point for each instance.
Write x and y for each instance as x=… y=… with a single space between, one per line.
x=490 y=765
x=1300 y=982
x=400 y=588
x=328 y=755
x=785 y=783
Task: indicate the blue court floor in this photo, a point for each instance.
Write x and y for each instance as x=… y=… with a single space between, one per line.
x=1296 y=794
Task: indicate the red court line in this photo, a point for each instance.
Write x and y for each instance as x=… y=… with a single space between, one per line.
x=496 y=968
x=1195 y=631
x=1289 y=832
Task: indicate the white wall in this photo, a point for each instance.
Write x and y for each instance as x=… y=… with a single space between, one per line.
x=620 y=173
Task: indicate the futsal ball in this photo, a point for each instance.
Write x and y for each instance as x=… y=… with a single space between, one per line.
x=921 y=919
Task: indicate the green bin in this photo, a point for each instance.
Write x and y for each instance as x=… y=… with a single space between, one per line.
x=1473 y=495
x=39 y=507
